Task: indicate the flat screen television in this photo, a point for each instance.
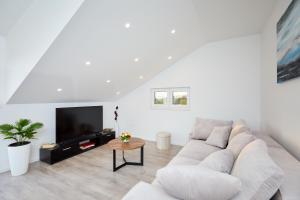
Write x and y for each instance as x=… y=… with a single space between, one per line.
x=75 y=122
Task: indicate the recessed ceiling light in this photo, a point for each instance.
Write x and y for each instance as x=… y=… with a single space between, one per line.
x=173 y=31
x=136 y=60
x=170 y=58
x=118 y=93
x=59 y=90
x=141 y=77
x=127 y=25
x=108 y=81
x=87 y=63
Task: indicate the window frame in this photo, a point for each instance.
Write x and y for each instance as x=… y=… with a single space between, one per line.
x=169 y=103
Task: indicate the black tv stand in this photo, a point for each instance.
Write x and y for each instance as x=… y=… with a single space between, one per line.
x=68 y=149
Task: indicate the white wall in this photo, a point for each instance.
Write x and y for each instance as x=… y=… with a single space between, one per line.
x=224 y=78
x=280 y=102
x=32 y=35
x=44 y=113
x=2 y=61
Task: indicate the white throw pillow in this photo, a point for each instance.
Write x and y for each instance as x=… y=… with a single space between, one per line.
x=260 y=176
x=203 y=127
x=219 y=136
x=239 y=142
x=196 y=182
x=221 y=161
x=238 y=129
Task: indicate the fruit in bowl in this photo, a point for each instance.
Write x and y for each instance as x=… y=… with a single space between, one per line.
x=125 y=137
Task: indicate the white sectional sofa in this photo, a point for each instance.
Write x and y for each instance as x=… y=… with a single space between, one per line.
x=251 y=165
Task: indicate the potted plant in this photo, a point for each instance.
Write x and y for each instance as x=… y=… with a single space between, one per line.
x=19 y=151
x=125 y=137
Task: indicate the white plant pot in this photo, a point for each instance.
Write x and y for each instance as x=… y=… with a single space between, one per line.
x=19 y=159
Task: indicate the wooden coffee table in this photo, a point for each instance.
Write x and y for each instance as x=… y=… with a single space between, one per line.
x=134 y=143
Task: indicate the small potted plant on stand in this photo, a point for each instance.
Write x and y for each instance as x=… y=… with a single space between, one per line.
x=19 y=151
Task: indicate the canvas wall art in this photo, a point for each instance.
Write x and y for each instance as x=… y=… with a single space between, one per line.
x=288 y=43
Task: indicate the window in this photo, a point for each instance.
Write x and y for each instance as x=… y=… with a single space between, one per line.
x=179 y=98
x=160 y=98
x=170 y=98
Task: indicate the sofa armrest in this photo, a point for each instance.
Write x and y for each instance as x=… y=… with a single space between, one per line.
x=146 y=191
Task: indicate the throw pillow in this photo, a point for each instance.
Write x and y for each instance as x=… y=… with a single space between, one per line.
x=260 y=176
x=197 y=183
x=219 y=136
x=203 y=127
x=238 y=130
x=239 y=142
x=221 y=161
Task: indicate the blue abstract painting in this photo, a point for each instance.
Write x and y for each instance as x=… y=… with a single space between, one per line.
x=288 y=43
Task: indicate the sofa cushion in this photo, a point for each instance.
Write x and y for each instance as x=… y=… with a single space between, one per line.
x=221 y=161
x=239 y=142
x=238 y=130
x=203 y=127
x=146 y=191
x=260 y=176
x=219 y=136
x=182 y=160
x=197 y=183
x=239 y=122
x=197 y=149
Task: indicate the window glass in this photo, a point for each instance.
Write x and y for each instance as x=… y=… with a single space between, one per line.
x=160 y=98
x=179 y=98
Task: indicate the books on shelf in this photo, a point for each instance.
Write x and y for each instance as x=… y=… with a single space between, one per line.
x=87 y=145
x=49 y=146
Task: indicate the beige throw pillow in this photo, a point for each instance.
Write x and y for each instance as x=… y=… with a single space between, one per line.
x=239 y=142
x=196 y=182
x=221 y=161
x=260 y=176
x=203 y=127
x=219 y=136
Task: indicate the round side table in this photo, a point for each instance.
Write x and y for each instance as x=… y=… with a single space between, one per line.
x=134 y=143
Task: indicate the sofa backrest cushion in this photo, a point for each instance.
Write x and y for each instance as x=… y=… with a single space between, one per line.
x=195 y=182
x=236 y=130
x=239 y=142
x=239 y=122
x=221 y=161
x=203 y=127
x=260 y=176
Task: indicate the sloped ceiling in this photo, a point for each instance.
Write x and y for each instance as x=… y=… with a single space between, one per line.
x=97 y=34
x=10 y=12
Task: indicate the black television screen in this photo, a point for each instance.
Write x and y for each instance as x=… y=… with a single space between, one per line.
x=74 y=122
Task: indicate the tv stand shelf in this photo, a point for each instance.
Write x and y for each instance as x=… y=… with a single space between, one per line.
x=69 y=149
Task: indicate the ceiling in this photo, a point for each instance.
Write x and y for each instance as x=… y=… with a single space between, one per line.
x=97 y=33
x=10 y=12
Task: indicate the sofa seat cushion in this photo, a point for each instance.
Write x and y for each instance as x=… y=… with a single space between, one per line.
x=197 y=183
x=197 y=149
x=146 y=191
x=260 y=176
x=182 y=160
x=221 y=161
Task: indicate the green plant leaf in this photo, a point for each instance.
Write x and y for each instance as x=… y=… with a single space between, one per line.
x=23 y=130
x=22 y=123
x=6 y=127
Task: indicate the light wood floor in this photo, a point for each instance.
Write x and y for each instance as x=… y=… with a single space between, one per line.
x=87 y=176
